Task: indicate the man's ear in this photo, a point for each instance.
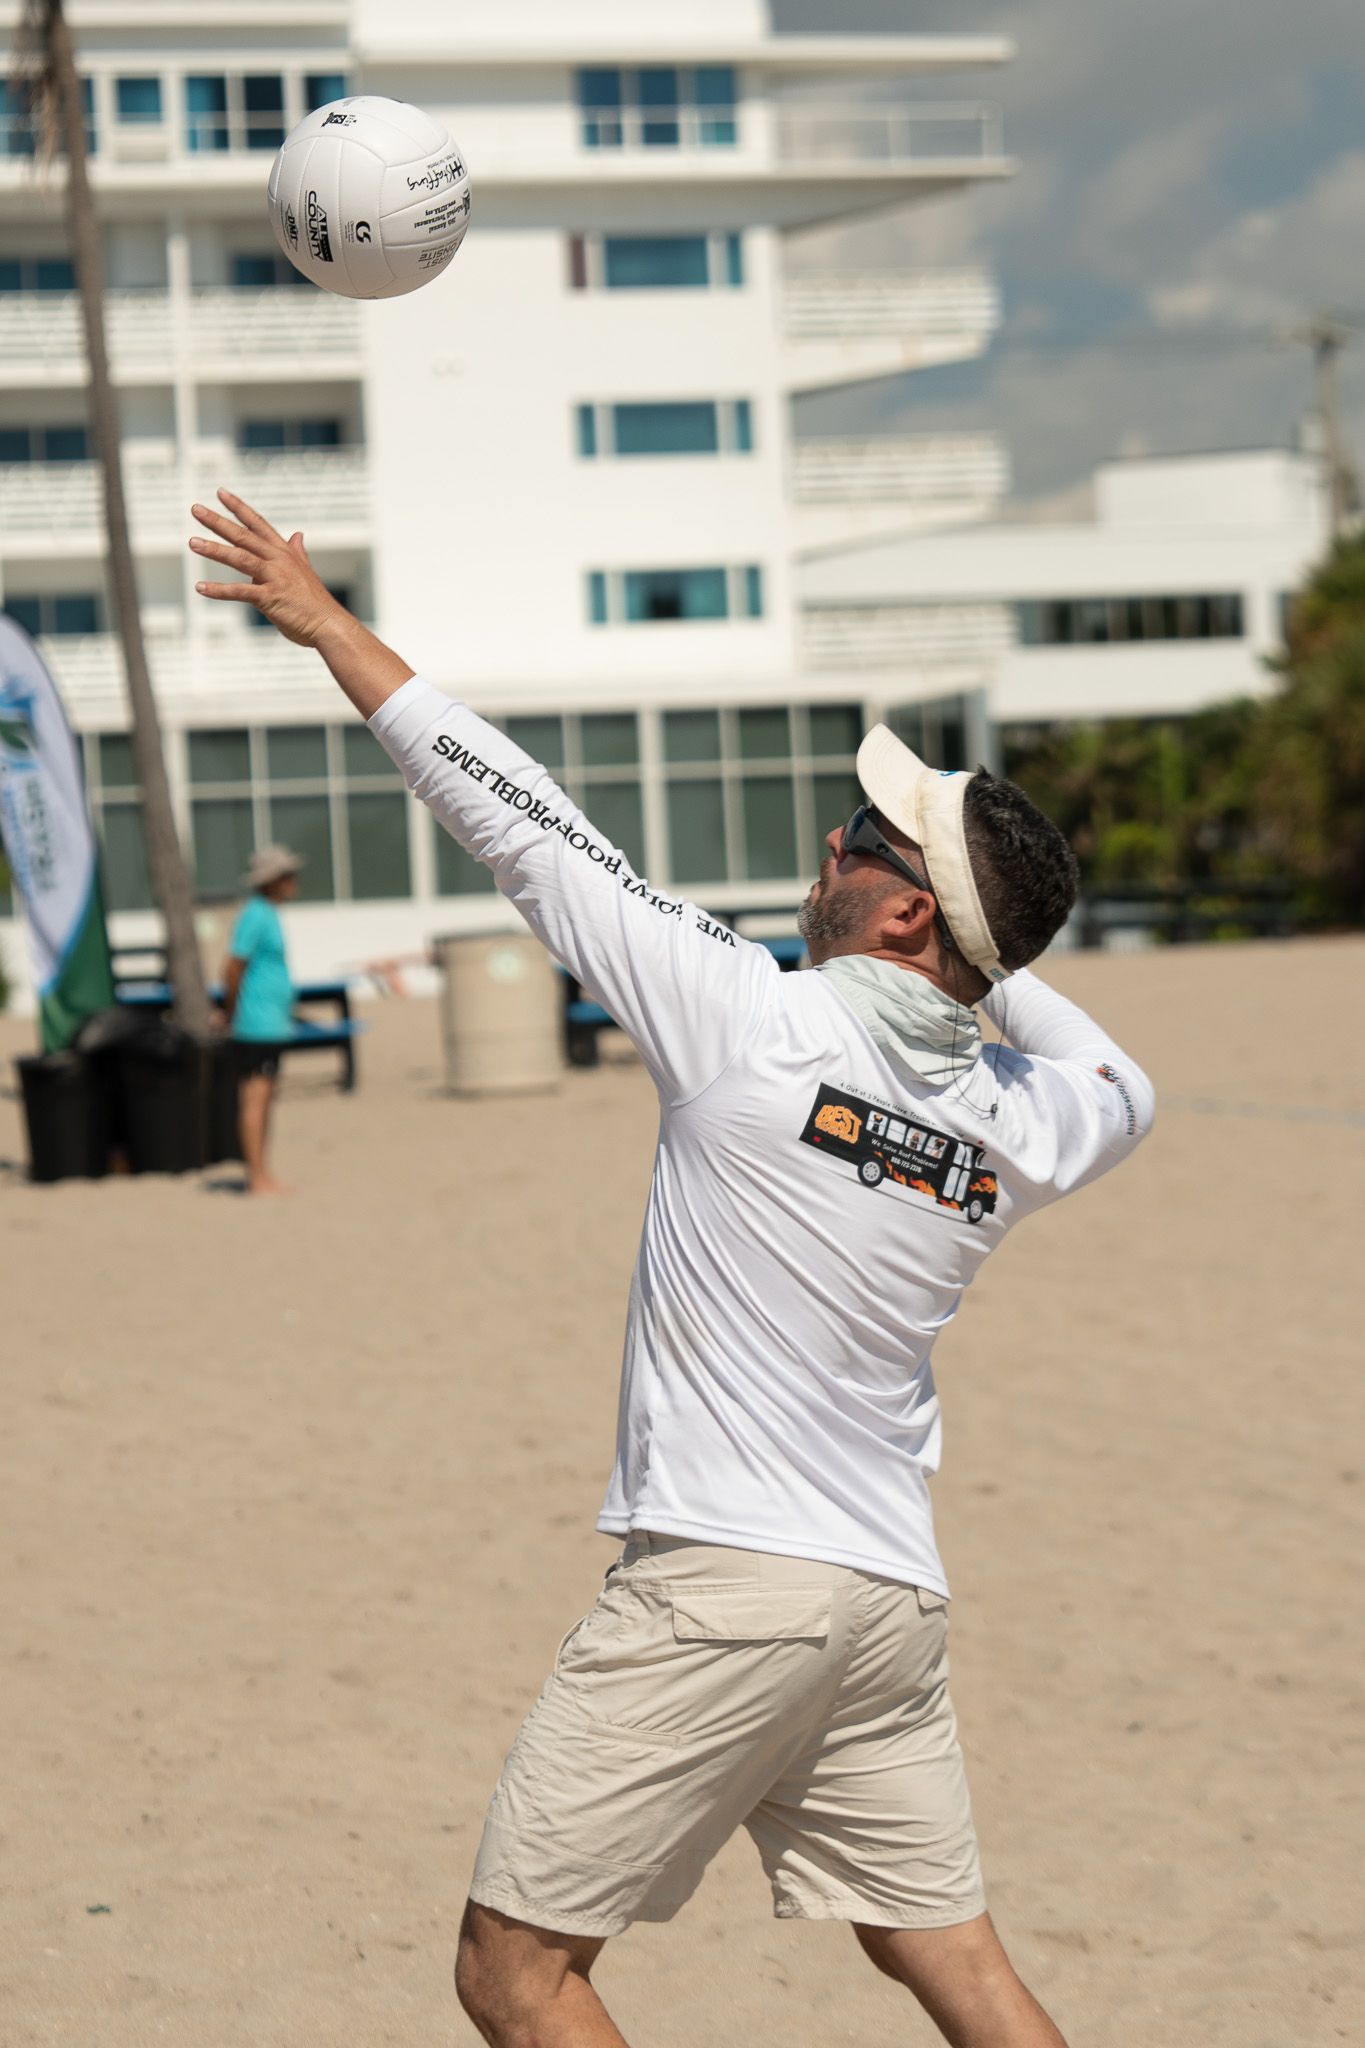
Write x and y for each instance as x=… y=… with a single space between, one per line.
x=908 y=921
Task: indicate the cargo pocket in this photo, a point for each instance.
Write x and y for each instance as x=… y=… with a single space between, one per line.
x=751 y=1614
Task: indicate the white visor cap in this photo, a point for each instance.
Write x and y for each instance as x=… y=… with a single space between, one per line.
x=926 y=804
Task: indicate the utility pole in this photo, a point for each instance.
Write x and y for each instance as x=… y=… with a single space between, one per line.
x=1326 y=338
x=55 y=90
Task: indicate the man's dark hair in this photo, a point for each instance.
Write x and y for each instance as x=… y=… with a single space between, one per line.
x=1025 y=873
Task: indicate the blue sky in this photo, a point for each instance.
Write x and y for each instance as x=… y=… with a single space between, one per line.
x=1193 y=166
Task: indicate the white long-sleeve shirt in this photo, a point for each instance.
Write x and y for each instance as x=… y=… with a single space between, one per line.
x=815 y=1212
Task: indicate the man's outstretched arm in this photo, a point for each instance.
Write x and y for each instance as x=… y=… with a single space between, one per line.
x=684 y=989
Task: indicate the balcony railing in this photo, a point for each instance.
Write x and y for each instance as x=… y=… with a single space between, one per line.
x=891 y=304
x=44 y=329
x=862 y=132
x=51 y=502
x=89 y=666
x=276 y=321
x=924 y=470
x=279 y=326
x=902 y=635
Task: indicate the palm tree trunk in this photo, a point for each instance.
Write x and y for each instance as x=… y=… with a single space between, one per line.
x=165 y=859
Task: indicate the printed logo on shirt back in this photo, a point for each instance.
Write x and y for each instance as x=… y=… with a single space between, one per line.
x=901 y=1151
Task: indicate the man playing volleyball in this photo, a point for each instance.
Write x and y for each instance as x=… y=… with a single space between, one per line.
x=838 y=1153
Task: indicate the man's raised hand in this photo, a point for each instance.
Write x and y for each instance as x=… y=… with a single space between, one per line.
x=284 y=587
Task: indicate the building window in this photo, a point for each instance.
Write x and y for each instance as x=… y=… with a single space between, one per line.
x=656 y=596
x=936 y=730
x=666 y=427
x=658 y=106
x=58 y=615
x=263 y=272
x=330 y=792
x=206 y=117
x=656 y=262
x=1101 y=621
x=44 y=444
x=263 y=108
x=595 y=757
x=37 y=274
x=116 y=812
x=19 y=135
x=266 y=436
x=751 y=791
x=320 y=88
x=223 y=113
x=137 y=101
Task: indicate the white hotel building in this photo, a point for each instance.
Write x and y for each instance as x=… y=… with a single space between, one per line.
x=563 y=479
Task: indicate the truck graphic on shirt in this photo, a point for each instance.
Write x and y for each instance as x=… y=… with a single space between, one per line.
x=886 y=1144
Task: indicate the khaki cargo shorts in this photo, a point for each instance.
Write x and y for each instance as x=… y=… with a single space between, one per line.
x=710 y=1688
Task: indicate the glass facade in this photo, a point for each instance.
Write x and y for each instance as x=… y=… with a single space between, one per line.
x=1101 y=621
x=57 y=613
x=658 y=106
x=44 y=444
x=656 y=262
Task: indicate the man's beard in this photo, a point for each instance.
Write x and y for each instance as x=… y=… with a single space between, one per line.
x=827 y=921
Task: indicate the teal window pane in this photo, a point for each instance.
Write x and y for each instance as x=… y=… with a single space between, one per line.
x=221 y=830
x=127 y=884
x=657 y=93
x=138 y=99
x=318 y=434
x=835 y=728
x=769 y=828
x=11 y=269
x=743 y=427
x=734 y=261
x=320 y=88
x=206 y=123
x=617 y=813
x=691 y=736
x=304 y=823
x=297 y=753
x=686 y=428
x=261 y=434
x=753 y=591
x=713 y=92
x=597 y=597
x=362 y=754
x=65 y=444
x=599 y=100
x=263 y=100
x=609 y=739
x=834 y=799
x=116 y=761
x=541 y=738
x=587 y=430
x=765 y=735
x=16 y=444
x=54 y=274
x=458 y=873
x=696 y=832
x=220 y=757
x=26 y=612
x=378 y=826
x=76 y=614
x=655 y=262
x=655 y=595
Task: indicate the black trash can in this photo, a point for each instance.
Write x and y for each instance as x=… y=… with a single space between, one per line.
x=222 y=1137
x=67 y=1112
x=162 y=1091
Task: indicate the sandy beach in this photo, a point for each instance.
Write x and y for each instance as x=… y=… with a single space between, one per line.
x=299 y=1498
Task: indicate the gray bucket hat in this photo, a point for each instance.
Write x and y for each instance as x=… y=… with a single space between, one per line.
x=271 y=864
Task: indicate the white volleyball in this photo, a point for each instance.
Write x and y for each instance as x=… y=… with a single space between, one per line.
x=369 y=197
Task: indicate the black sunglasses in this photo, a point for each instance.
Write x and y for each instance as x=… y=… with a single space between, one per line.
x=862 y=834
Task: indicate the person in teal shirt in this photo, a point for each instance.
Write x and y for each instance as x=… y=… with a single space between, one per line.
x=258 y=1000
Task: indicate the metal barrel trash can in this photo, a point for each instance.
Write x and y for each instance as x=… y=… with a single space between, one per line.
x=66 y=1112
x=500 y=1014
